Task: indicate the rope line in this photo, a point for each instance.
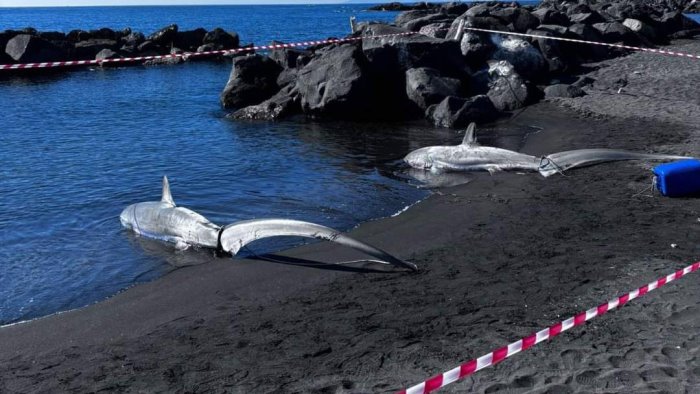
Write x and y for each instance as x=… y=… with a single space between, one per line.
x=187 y=55
x=658 y=51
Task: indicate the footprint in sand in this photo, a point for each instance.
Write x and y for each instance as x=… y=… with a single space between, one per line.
x=659 y=374
x=587 y=378
x=571 y=358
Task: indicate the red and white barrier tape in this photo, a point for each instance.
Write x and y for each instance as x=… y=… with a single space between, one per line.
x=659 y=51
x=501 y=354
x=193 y=54
x=317 y=42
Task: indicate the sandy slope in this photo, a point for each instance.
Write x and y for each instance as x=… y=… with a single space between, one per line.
x=500 y=258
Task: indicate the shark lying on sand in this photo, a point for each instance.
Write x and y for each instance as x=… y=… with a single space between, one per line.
x=184 y=227
x=470 y=156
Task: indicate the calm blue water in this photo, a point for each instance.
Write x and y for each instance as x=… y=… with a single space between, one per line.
x=77 y=148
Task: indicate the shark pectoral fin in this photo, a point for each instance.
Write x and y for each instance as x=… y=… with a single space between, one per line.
x=166 y=197
x=181 y=245
x=470 y=135
x=440 y=166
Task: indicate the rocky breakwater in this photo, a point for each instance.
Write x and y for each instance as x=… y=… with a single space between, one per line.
x=447 y=76
x=31 y=46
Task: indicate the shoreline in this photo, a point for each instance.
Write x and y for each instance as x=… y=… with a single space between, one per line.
x=499 y=258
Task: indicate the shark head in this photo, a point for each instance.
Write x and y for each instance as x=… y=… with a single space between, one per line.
x=420 y=159
x=425 y=158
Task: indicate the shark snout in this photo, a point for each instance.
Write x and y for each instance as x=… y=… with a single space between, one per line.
x=419 y=160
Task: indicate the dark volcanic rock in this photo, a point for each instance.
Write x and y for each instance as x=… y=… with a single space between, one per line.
x=282 y=104
x=107 y=54
x=548 y=16
x=417 y=24
x=435 y=30
x=5 y=58
x=507 y=90
x=53 y=35
x=477 y=48
x=560 y=55
x=526 y=59
x=164 y=36
x=252 y=80
x=459 y=112
x=425 y=86
x=518 y=19
x=222 y=39
x=336 y=84
x=133 y=40
x=78 y=35
x=417 y=50
x=25 y=48
x=189 y=40
x=587 y=18
x=616 y=32
x=104 y=34
x=454 y=8
x=87 y=50
x=149 y=47
x=396 y=6
x=641 y=28
x=287 y=57
x=405 y=17
x=563 y=90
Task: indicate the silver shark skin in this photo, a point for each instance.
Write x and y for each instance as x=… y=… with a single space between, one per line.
x=470 y=156
x=184 y=227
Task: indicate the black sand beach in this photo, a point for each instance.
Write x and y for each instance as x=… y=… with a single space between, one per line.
x=500 y=257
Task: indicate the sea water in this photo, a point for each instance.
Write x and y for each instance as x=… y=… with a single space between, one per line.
x=77 y=147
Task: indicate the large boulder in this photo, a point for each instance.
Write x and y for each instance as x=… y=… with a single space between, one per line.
x=53 y=35
x=476 y=48
x=425 y=87
x=287 y=57
x=459 y=112
x=104 y=34
x=222 y=39
x=417 y=50
x=641 y=28
x=189 y=40
x=435 y=30
x=282 y=104
x=87 y=50
x=107 y=54
x=407 y=16
x=516 y=18
x=548 y=16
x=416 y=24
x=252 y=80
x=78 y=35
x=507 y=90
x=336 y=84
x=616 y=32
x=560 y=55
x=25 y=48
x=131 y=41
x=587 y=18
x=526 y=59
x=164 y=36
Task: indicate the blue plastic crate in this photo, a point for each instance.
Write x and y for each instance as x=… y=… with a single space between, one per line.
x=678 y=179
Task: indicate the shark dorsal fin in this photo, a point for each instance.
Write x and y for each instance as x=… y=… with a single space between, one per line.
x=470 y=135
x=167 y=197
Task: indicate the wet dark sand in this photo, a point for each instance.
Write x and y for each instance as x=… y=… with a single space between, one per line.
x=500 y=258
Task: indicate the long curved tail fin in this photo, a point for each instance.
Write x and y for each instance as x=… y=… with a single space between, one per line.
x=562 y=161
x=235 y=236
